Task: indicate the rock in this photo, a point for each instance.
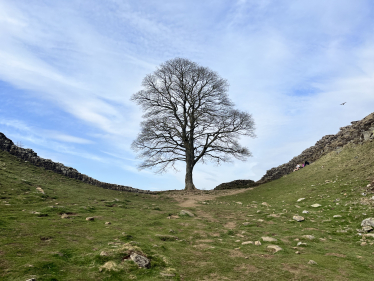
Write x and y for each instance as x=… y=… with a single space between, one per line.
x=35 y=213
x=298 y=218
x=239 y=203
x=368 y=222
x=260 y=220
x=64 y=216
x=310 y=237
x=297 y=252
x=257 y=243
x=300 y=199
x=312 y=262
x=40 y=190
x=305 y=212
x=246 y=223
x=90 y=218
x=109 y=266
x=274 y=248
x=268 y=239
x=301 y=244
x=140 y=260
x=265 y=204
x=369 y=235
x=247 y=242
x=316 y=205
x=108 y=222
x=337 y=216
x=31 y=279
x=103 y=254
x=186 y=213
x=367 y=228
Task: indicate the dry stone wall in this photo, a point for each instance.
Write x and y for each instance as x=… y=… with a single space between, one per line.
x=357 y=133
x=30 y=156
x=236 y=184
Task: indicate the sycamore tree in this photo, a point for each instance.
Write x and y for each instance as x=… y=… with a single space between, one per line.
x=188 y=117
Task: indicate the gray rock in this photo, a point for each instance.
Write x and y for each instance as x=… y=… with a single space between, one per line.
x=186 y=213
x=140 y=260
x=316 y=205
x=300 y=199
x=305 y=212
x=268 y=239
x=301 y=244
x=367 y=228
x=274 y=248
x=257 y=243
x=247 y=242
x=90 y=218
x=298 y=218
x=310 y=237
x=337 y=216
x=312 y=262
x=368 y=222
x=31 y=279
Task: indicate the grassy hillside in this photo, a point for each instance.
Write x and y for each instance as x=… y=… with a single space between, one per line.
x=35 y=242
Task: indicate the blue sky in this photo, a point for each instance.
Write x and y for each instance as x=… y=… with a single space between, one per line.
x=69 y=68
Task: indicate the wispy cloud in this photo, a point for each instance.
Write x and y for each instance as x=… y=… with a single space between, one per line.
x=290 y=64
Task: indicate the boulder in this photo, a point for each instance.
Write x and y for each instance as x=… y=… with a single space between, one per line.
x=140 y=260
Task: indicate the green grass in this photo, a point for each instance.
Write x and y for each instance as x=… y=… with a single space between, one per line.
x=36 y=242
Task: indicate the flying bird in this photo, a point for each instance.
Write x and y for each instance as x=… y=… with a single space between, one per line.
x=343 y=103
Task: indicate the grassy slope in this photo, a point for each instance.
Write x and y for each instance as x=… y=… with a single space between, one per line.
x=50 y=248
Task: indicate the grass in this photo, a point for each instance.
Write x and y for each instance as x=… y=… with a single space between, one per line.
x=36 y=242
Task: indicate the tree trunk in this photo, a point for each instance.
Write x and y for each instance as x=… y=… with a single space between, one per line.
x=189 y=168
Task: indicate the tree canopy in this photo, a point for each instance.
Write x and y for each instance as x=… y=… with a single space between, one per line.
x=188 y=117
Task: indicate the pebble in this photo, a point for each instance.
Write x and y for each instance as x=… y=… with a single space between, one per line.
x=274 y=248
x=298 y=218
x=310 y=237
x=316 y=205
x=300 y=199
x=305 y=212
x=312 y=262
x=247 y=242
x=257 y=243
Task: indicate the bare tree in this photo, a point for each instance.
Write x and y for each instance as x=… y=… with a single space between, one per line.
x=188 y=117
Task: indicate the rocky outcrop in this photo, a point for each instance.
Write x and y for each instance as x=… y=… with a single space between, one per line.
x=236 y=184
x=357 y=133
x=30 y=156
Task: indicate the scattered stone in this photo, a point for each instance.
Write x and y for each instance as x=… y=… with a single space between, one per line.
x=297 y=206
x=247 y=242
x=64 y=216
x=297 y=252
x=257 y=243
x=103 y=254
x=274 y=248
x=312 y=262
x=300 y=199
x=90 y=218
x=173 y=217
x=108 y=222
x=35 y=213
x=260 y=220
x=369 y=235
x=265 y=204
x=368 y=222
x=186 y=213
x=140 y=260
x=305 y=212
x=246 y=223
x=31 y=279
x=363 y=244
x=40 y=190
x=337 y=216
x=310 y=237
x=301 y=244
x=237 y=241
x=316 y=205
x=268 y=239
x=367 y=228
x=239 y=203
x=298 y=218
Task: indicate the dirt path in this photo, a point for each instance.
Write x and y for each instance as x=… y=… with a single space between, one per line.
x=190 y=199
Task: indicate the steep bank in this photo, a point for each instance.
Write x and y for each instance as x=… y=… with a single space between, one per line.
x=357 y=133
x=30 y=156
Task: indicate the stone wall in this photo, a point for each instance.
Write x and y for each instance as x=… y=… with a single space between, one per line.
x=30 y=156
x=236 y=184
x=358 y=132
